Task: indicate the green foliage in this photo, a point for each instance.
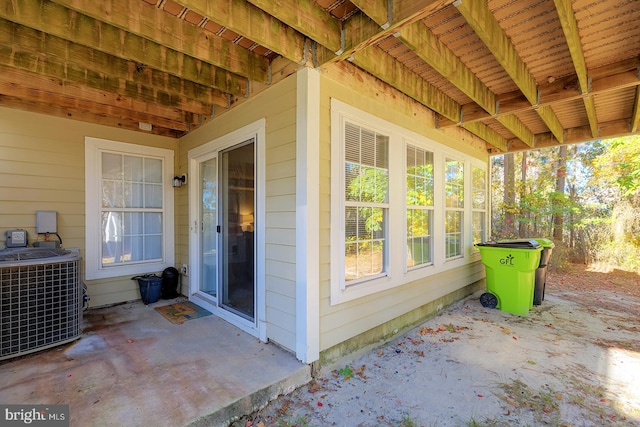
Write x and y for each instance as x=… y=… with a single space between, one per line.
x=368 y=185
x=345 y=372
x=598 y=205
x=620 y=165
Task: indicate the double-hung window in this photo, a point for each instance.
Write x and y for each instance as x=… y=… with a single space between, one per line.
x=454 y=207
x=366 y=204
x=479 y=204
x=419 y=206
x=129 y=208
x=403 y=207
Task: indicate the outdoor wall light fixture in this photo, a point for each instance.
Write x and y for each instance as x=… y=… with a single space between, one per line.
x=178 y=181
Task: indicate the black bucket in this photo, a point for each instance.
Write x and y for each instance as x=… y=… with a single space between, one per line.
x=150 y=286
x=170 y=279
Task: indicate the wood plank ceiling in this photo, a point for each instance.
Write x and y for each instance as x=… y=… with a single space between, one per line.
x=517 y=73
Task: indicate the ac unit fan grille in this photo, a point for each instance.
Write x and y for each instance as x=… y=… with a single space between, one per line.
x=40 y=306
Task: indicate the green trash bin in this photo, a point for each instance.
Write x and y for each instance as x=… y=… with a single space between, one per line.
x=541 y=271
x=510 y=274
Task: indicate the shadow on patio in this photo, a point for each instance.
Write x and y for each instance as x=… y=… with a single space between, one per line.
x=132 y=367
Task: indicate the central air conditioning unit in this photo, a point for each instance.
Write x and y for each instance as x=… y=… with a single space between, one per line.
x=41 y=299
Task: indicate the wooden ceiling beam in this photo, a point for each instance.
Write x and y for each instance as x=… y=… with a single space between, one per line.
x=426 y=45
x=481 y=19
x=383 y=66
x=34 y=87
x=590 y=108
x=551 y=120
x=362 y=31
x=146 y=21
x=54 y=19
x=30 y=50
x=581 y=134
x=486 y=133
x=255 y=24
x=435 y=53
x=516 y=127
x=306 y=17
x=635 y=116
x=485 y=25
x=570 y=29
x=83 y=116
x=377 y=10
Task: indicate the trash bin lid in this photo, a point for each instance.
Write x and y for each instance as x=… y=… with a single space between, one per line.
x=513 y=244
x=545 y=243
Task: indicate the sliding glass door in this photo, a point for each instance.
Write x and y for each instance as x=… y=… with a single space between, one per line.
x=237 y=191
x=226 y=206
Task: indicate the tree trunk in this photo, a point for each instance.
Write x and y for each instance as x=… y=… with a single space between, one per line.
x=525 y=213
x=509 y=195
x=558 y=221
x=572 y=233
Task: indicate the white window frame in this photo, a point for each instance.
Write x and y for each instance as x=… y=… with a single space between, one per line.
x=396 y=272
x=383 y=205
x=94 y=147
x=462 y=210
x=485 y=210
x=431 y=209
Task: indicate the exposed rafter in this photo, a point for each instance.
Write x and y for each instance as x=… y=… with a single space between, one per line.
x=306 y=17
x=376 y=62
x=515 y=125
x=555 y=71
x=156 y=25
x=253 y=23
x=488 y=134
x=54 y=19
x=480 y=18
x=22 y=84
x=607 y=79
x=378 y=10
x=427 y=46
x=551 y=120
x=31 y=50
x=635 y=117
x=570 y=29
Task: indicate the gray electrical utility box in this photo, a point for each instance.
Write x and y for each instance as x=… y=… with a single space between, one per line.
x=46 y=222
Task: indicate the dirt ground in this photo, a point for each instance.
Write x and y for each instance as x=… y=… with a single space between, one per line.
x=572 y=361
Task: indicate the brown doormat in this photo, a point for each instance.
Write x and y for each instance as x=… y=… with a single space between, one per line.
x=182 y=311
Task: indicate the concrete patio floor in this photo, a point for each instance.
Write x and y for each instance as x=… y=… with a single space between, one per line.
x=133 y=367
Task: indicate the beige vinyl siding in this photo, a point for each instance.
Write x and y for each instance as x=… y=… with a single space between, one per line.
x=342 y=322
x=277 y=106
x=42 y=168
x=385 y=306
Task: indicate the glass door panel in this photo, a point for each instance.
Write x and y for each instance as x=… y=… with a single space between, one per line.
x=209 y=221
x=237 y=179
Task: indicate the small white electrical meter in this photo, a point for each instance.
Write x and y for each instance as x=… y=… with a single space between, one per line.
x=16 y=238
